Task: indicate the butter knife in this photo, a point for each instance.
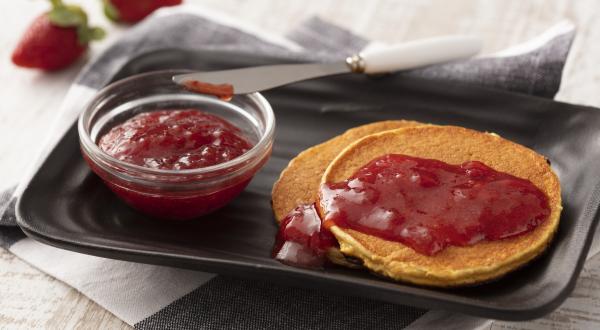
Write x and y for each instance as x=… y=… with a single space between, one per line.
x=404 y=56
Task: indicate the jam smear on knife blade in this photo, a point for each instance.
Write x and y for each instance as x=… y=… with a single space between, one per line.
x=222 y=91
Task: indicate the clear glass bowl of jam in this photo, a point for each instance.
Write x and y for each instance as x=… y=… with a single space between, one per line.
x=171 y=190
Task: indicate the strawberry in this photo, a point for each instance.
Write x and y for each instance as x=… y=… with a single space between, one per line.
x=55 y=39
x=131 y=11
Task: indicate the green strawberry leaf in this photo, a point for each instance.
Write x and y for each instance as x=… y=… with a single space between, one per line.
x=66 y=16
x=56 y=3
x=73 y=16
x=87 y=34
x=111 y=11
x=97 y=33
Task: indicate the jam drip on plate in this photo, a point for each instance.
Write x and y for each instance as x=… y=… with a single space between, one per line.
x=301 y=240
x=175 y=140
x=428 y=204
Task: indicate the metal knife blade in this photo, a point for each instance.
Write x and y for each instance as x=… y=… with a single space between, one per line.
x=255 y=79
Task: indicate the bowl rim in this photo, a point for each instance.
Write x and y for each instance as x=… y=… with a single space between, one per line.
x=93 y=150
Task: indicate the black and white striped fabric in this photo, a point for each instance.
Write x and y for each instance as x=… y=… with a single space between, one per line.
x=155 y=297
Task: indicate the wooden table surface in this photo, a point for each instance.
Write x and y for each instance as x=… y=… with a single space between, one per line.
x=31 y=299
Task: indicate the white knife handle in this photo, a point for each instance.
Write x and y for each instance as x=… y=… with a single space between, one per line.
x=415 y=54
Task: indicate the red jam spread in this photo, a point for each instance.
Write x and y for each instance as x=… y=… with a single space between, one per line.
x=175 y=140
x=301 y=241
x=428 y=204
x=425 y=204
x=222 y=91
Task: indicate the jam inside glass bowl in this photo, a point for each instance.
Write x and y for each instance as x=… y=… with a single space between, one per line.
x=158 y=177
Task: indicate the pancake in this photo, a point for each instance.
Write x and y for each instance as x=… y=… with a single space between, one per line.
x=299 y=181
x=453 y=266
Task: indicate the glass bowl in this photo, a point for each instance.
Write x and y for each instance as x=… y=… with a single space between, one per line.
x=174 y=194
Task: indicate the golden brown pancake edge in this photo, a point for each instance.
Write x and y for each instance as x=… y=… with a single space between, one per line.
x=299 y=182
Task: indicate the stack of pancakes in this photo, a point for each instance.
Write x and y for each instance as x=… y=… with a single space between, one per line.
x=337 y=159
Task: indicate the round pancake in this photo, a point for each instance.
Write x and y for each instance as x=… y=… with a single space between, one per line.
x=453 y=266
x=299 y=181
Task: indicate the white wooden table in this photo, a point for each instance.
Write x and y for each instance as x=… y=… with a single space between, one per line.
x=31 y=299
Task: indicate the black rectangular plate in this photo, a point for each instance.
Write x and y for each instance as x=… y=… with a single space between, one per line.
x=65 y=205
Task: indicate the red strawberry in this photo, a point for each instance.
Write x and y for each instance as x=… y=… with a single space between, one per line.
x=131 y=11
x=55 y=39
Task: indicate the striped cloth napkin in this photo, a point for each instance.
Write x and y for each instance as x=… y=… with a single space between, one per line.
x=156 y=297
